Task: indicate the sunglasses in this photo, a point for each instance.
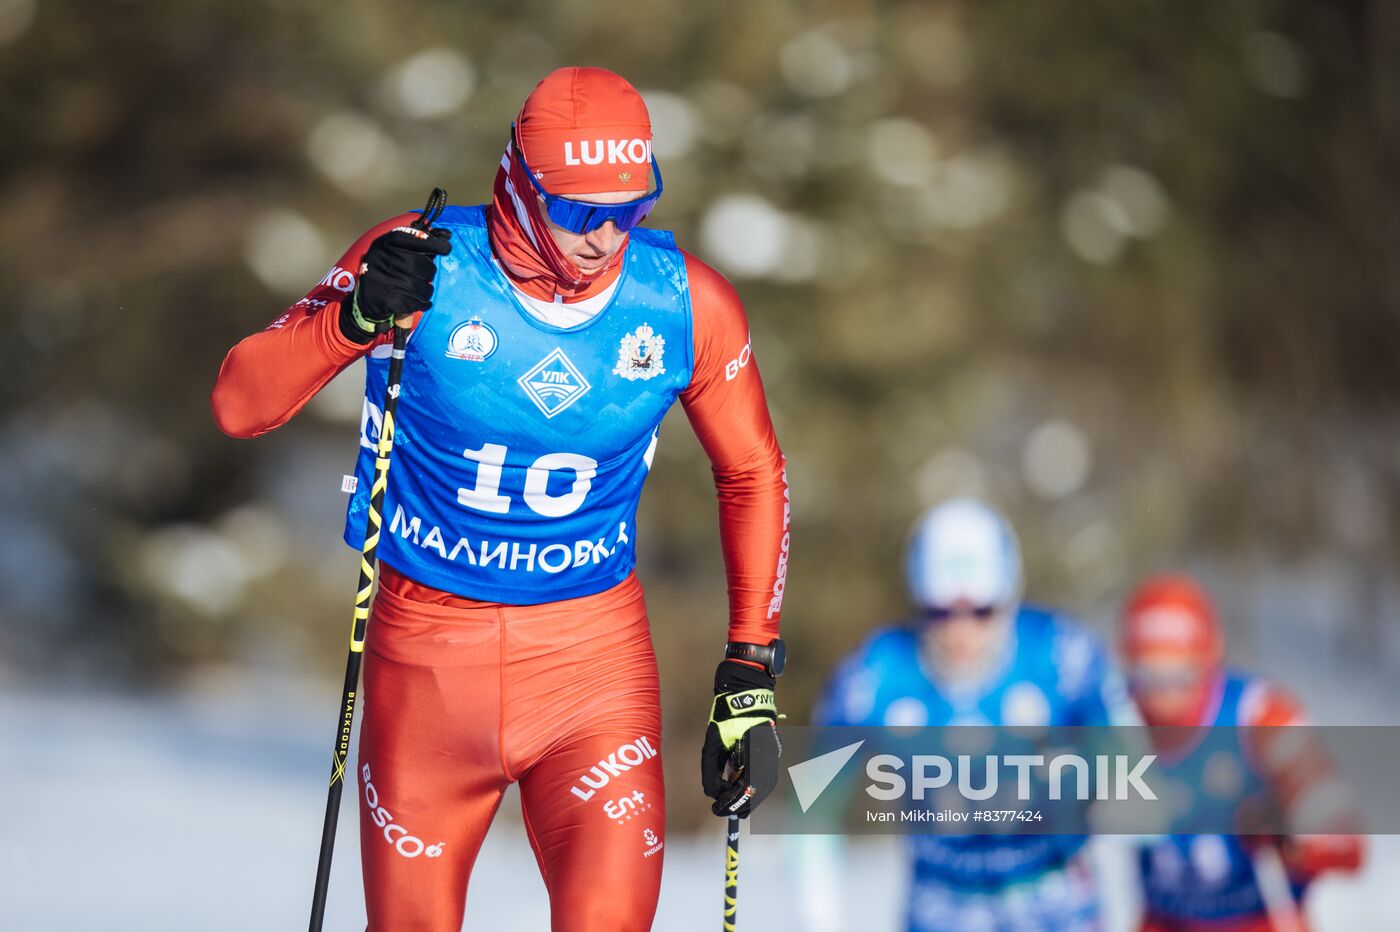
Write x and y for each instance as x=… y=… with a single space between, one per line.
x=1155 y=678
x=945 y=612
x=584 y=216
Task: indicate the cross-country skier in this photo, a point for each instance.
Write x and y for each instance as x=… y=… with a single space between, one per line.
x=509 y=640
x=1174 y=653
x=975 y=654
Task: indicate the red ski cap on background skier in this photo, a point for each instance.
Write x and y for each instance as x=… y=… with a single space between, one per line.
x=1169 y=616
x=1172 y=648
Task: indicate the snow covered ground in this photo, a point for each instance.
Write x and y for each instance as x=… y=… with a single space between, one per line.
x=204 y=812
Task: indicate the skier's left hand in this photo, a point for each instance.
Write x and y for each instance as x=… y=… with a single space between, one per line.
x=739 y=761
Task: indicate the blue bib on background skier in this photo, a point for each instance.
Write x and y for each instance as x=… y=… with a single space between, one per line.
x=520 y=449
x=1210 y=877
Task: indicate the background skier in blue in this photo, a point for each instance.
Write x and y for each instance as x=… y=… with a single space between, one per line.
x=975 y=654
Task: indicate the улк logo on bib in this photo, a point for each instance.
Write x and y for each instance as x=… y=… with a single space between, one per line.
x=639 y=356
x=554 y=383
x=473 y=341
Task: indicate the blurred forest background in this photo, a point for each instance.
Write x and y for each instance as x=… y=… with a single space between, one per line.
x=1124 y=268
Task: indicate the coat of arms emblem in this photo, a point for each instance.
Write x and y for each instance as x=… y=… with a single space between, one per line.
x=640 y=355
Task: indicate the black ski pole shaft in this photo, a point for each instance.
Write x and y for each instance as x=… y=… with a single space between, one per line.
x=363 y=592
x=731 y=875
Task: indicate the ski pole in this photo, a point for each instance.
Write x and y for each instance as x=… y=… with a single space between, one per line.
x=731 y=875
x=420 y=227
x=1284 y=911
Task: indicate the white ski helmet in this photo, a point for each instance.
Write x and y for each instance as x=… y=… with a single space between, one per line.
x=963 y=550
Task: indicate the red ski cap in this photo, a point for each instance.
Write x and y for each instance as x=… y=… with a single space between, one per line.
x=586 y=131
x=1170 y=616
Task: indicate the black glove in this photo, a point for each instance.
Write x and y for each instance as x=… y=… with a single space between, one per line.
x=395 y=279
x=739 y=761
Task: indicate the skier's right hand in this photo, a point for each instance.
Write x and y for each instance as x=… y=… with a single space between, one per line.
x=396 y=279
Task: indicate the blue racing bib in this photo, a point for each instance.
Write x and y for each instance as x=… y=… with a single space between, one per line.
x=520 y=449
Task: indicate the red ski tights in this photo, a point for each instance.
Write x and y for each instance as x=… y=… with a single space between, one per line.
x=462 y=698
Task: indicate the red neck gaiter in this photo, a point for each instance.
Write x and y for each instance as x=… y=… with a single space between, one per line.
x=526 y=249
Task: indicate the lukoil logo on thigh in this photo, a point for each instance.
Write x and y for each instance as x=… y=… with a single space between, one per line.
x=632 y=754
